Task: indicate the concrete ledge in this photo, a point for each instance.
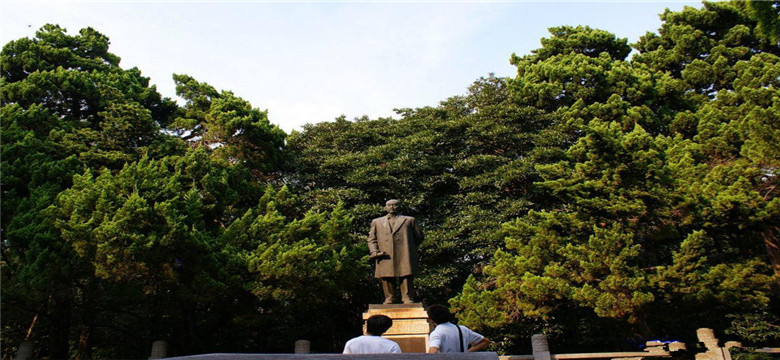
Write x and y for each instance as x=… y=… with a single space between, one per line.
x=395 y=306
x=604 y=355
x=612 y=355
x=408 y=356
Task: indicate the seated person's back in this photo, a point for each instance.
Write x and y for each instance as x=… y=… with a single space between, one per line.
x=373 y=342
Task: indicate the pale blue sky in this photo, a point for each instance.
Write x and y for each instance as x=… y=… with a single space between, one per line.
x=308 y=62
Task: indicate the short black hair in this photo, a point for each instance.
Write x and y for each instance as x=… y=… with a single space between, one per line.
x=440 y=314
x=378 y=324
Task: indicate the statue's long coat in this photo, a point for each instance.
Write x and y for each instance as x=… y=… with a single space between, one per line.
x=400 y=244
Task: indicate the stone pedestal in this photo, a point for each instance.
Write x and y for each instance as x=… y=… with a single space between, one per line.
x=655 y=347
x=26 y=351
x=159 y=350
x=714 y=352
x=410 y=325
x=303 y=347
x=540 y=347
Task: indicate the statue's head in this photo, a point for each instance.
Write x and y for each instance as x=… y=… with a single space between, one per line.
x=392 y=206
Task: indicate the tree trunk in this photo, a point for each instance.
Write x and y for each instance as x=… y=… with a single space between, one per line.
x=85 y=345
x=89 y=292
x=773 y=249
x=59 y=330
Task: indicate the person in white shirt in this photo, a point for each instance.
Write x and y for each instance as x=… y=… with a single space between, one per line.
x=373 y=342
x=448 y=337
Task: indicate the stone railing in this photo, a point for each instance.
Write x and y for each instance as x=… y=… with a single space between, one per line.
x=539 y=345
x=541 y=351
x=653 y=349
x=399 y=356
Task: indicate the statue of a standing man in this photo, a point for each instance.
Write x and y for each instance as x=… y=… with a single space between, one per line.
x=392 y=242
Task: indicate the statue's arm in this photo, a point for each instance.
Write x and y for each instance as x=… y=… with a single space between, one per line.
x=418 y=232
x=373 y=246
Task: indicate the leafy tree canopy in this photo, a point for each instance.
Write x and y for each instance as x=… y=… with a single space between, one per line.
x=600 y=199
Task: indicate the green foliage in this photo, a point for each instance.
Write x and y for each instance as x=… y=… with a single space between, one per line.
x=767 y=15
x=66 y=105
x=228 y=126
x=747 y=354
x=587 y=254
x=598 y=199
x=52 y=48
x=666 y=201
x=301 y=267
x=459 y=168
x=627 y=186
x=568 y=40
x=757 y=328
x=116 y=234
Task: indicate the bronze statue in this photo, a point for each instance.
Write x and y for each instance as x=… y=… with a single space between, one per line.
x=392 y=242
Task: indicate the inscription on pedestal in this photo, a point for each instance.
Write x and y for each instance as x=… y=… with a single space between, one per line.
x=410 y=325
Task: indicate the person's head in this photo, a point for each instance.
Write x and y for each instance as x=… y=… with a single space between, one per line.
x=377 y=325
x=439 y=314
x=392 y=206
